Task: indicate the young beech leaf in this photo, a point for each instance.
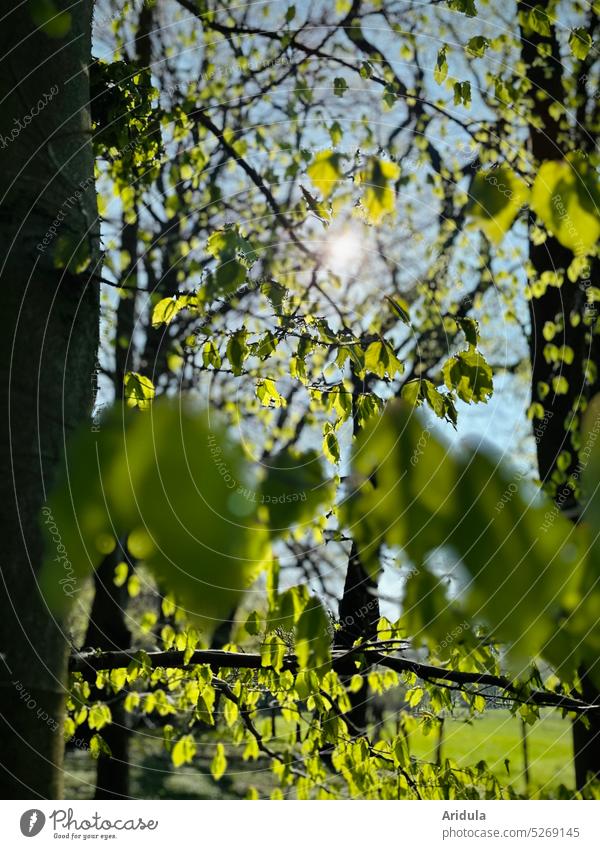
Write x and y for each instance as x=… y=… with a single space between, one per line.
x=219 y=763
x=469 y=375
x=166 y=309
x=46 y=15
x=235 y=255
x=173 y=484
x=440 y=72
x=566 y=197
x=138 y=390
x=183 y=751
x=379 y=197
x=325 y=171
x=580 y=42
x=522 y=572
x=496 y=196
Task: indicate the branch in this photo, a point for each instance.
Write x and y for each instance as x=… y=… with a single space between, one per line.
x=343 y=662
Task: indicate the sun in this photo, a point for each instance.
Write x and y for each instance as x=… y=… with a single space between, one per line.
x=343 y=251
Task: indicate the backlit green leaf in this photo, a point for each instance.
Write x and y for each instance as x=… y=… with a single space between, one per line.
x=566 y=196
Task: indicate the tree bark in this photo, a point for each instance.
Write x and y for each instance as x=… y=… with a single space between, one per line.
x=107 y=628
x=359 y=605
x=47 y=367
x=554 y=431
x=108 y=631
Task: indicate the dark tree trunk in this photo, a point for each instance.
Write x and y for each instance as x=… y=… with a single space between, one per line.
x=359 y=605
x=553 y=434
x=47 y=365
x=586 y=739
x=107 y=626
x=359 y=614
x=107 y=631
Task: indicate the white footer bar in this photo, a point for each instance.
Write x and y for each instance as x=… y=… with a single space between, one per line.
x=311 y=825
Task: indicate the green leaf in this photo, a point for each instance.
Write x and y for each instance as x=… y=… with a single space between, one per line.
x=566 y=197
x=340 y=86
x=470 y=328
x=252 y=624
x=325 y=171
x=411 y=393
x=219 y=763
x=228 y=278
x=267 y=394
x=400 y=307
x=99 y=715
x=138 y=390
x=121 y=574
x=440 y=72
x=469 y=374
x=539 y=20
x=183 y=751
x=496 y=197
x=118 y=679
x=165 y=310
x=237 y=351
x=99 y=746
x=425 y=496
x=265 y=346
x=477 y=46
x=321 y=210
x=45 y=14
x=336 y=133
x=171 y=482
x=331 y=448
x=379 y=197
x=229 y=243
x=467 y=7
x=434 y=398
x=580 y=42
x=462 y=93
x=235 y=255
x=210 y=355
x=231 y=713
x=272 y=652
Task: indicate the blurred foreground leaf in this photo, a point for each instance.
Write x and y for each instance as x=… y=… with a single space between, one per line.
x=527 y=573
x=174 y=484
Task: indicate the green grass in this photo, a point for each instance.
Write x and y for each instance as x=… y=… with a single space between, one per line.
x=492 y=737
x=496 y=735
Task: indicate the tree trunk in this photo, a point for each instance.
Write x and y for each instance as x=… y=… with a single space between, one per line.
x=553 y=432
x=47 y=366
x=359 y=614
x=586 y=738
x=359 y=605
x=108 y=631
x=107 y=627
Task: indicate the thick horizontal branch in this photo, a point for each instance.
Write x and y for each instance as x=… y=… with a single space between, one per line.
x=88 y=663
x=541 y=698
